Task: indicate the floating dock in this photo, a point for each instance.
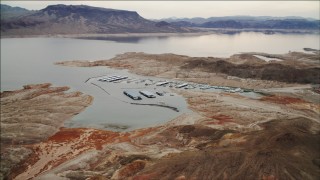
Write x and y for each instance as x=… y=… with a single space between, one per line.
x=112 y=78
x=118 y=78
x=132 y=94
x=182 y=85
x=162 y=83
x=147 y=94
x=159 y=93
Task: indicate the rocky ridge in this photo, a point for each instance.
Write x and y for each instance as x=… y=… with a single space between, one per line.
x=81 y=19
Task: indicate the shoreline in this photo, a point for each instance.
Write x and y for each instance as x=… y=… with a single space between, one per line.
x=108 y=35
x=222 y=127
x=214 y=70
x=220 y=120
x=202 y=31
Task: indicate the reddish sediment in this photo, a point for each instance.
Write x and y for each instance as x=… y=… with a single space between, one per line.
x=283 y=99
x=222 y=119
x=306 y=108
x=66 y=135
x=69 y=143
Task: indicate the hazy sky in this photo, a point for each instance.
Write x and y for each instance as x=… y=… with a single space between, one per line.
x=164 y=9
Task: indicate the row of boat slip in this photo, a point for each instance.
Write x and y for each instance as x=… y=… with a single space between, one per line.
x=195 y=85
x=167 y=82
x=115 y=78
x=112 y=78
x=133 y=94
x=226 y=89
x=201 y=86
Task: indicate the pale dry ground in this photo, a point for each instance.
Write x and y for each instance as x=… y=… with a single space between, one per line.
x=196 y=69
x=243 y=113
x=169 y=66
x=33 y=114
x=38 y=108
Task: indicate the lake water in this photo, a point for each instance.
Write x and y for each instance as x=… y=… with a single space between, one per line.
x=30 y=61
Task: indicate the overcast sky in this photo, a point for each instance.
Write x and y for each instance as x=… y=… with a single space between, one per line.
x=165 y=9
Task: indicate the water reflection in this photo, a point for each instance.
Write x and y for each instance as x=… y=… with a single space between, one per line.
x=115 y=39
x=134 y=40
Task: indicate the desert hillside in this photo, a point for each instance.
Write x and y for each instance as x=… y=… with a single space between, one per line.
x=81 y=19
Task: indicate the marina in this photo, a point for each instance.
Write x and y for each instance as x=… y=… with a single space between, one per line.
x=149 y=94
x=169 y=84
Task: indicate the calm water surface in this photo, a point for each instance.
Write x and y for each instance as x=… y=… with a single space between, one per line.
x=30 y=60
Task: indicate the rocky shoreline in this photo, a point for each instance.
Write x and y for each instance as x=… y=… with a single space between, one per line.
x=221 y=133
x=240 y=70
x=226 y=136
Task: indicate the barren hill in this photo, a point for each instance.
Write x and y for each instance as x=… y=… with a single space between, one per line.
x=81 y=19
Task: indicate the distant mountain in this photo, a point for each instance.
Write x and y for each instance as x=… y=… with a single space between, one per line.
x=8 y=12
x=184 y=24
x=223 y=24
x=199 y=20
x=268 y=24
x=240 y=22
x=81 y=19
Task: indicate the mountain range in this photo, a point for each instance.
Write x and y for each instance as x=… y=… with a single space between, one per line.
x=241 y=22
x=200 y=20
x=8 y=12
x=82 y=19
